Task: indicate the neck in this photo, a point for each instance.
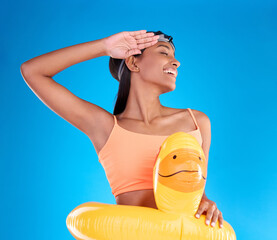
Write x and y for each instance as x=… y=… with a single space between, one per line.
x=143 y=103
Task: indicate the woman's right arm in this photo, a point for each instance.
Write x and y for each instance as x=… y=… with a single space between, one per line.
x=38 y=72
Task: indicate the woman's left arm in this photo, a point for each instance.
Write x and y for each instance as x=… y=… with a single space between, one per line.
x=207 y=206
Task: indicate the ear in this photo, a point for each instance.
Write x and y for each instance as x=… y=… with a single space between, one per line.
x=131 y=63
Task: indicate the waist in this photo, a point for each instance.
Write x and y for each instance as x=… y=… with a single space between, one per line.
x=143 y=198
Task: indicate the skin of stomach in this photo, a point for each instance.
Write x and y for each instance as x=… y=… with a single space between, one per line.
x=143 y=198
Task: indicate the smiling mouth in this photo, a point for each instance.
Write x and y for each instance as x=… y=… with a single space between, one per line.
x=172 y=75
x=170 y=175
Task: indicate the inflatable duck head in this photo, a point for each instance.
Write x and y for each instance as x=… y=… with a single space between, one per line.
x=179 y=174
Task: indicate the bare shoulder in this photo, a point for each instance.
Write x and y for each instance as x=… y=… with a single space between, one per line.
x=201 y=117
x=205 y=129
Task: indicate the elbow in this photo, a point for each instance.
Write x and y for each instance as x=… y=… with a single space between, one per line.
x=23 y=68
x=23 y=71
x=26 y=70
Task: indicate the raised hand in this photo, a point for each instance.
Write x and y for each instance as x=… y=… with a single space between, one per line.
x=124 y=44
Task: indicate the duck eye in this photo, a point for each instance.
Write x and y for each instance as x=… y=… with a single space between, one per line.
x=174 y=156
x=200 y=158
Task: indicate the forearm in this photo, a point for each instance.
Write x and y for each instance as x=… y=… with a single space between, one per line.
x=51 y=63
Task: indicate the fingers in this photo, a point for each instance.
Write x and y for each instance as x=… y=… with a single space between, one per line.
x=210 y=212
x=213 y=214
x=215 y=217
x=147 y=42
x=135 y=33
x=201 y=209
x=141 y=34
x=220 y=219
x=144 y=39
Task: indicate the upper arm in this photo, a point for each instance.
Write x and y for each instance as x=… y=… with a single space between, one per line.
x=82 y=114
x=205 y=129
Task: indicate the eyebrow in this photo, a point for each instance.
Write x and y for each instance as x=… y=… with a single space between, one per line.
x=162 y=45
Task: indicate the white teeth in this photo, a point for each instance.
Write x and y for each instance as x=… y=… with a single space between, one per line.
x=168 y=71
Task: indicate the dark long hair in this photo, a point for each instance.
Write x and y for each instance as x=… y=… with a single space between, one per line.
x=125 y=82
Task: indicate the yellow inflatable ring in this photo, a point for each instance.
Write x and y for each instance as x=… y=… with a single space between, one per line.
x=179 y=178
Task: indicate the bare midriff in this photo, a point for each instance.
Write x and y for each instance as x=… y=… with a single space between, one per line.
x=143 y=198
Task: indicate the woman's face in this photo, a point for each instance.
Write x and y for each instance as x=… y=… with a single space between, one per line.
x=154 y=62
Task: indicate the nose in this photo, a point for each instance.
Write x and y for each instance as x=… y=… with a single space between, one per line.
x=176 y=63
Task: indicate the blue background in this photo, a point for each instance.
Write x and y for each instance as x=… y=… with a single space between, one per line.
x=227 y=51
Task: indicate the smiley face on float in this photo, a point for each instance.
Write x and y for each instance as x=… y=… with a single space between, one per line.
x=183 y=170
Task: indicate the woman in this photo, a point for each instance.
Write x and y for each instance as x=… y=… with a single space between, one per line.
x=144 y=63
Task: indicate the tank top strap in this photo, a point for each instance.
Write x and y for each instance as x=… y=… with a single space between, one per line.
x=194 y=120
x=115 y=120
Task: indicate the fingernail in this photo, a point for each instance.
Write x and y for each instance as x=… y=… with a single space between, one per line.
x=221 y=225
x=212 y=224
x=197 y=215
x=207 y=222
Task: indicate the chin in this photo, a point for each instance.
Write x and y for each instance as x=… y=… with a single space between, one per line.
x=170 y=87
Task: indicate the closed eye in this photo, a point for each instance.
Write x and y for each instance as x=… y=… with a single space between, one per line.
x=164 y=53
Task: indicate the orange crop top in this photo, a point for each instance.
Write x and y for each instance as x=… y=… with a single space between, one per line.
x=128 y=158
